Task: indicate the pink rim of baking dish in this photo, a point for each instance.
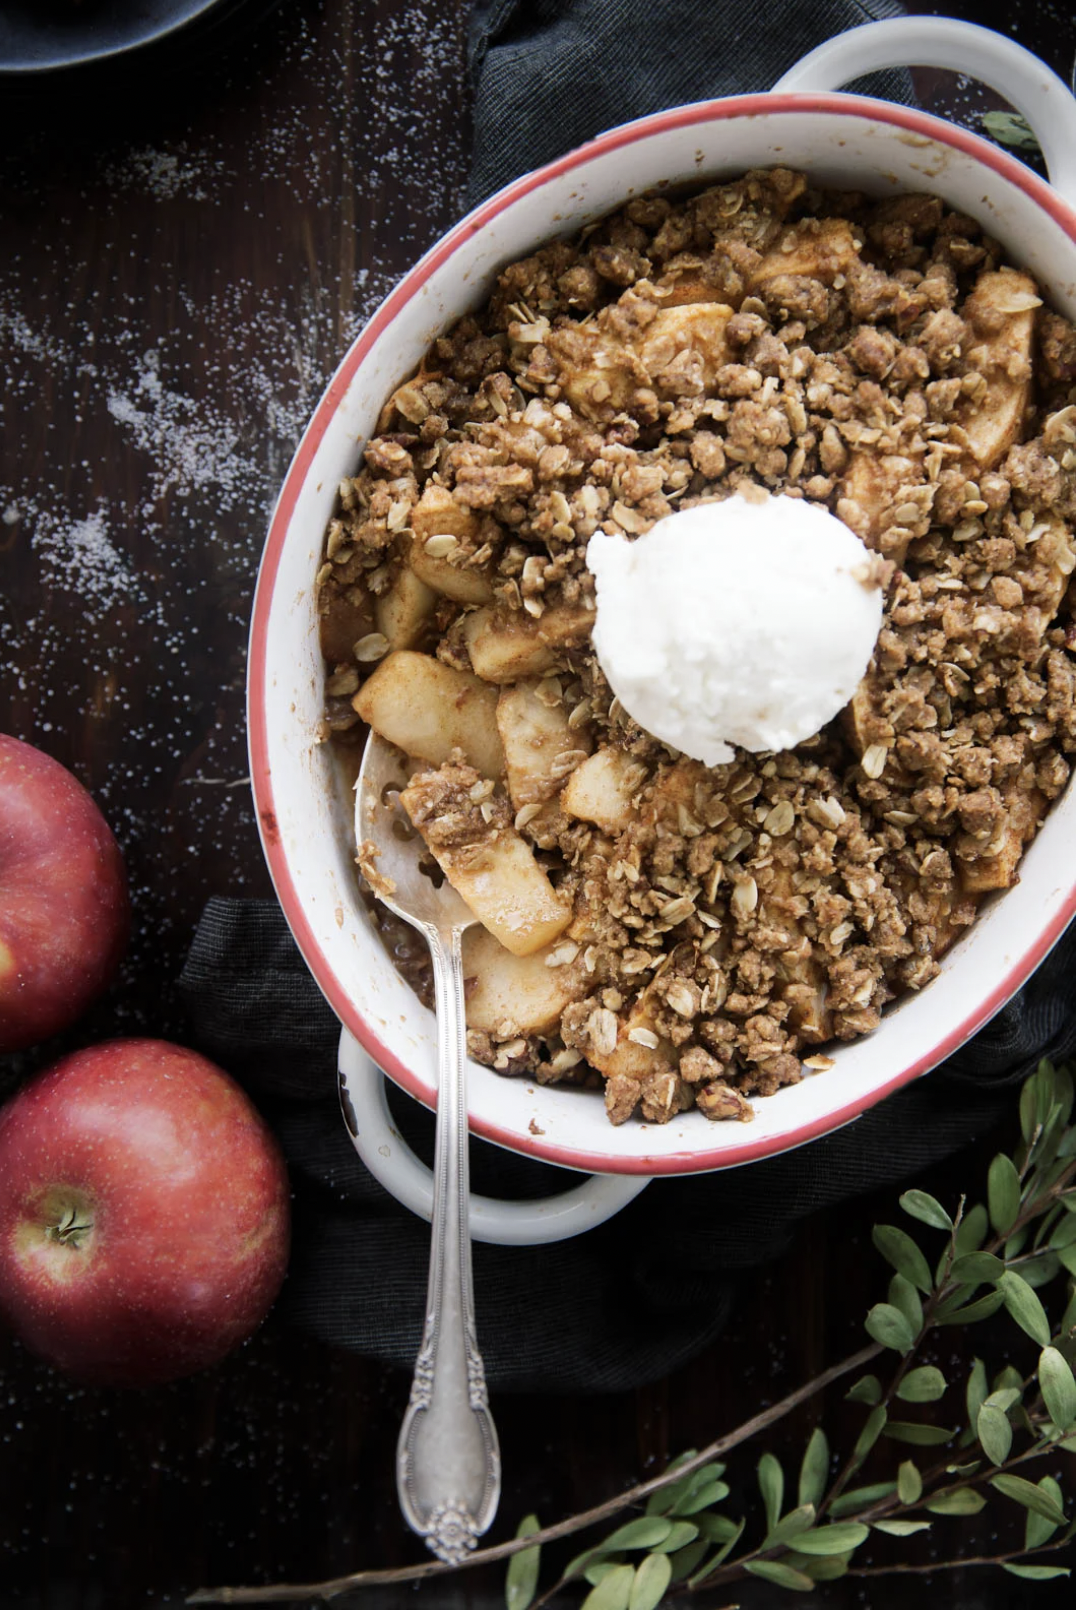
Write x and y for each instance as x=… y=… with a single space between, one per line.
x=700 y=1161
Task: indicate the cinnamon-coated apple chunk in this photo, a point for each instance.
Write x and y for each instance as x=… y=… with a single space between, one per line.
x=468 y=830
x=428 y=709
x=694 y=328
x=506 y=645
x=441 y=526
x=540 y=748
x=1000 y=314
x=602 y=789
x=819 y=250
x=509 y=995
x=403 y=612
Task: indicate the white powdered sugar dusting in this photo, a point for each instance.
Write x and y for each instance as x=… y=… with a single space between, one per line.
x=167 y=174
x=80 y=555
x=153 y=399
x=190 y=445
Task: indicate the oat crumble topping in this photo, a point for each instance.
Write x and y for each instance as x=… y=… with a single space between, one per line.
x=707 y=929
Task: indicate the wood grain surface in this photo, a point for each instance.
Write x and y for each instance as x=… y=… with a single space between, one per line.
x=189 y=241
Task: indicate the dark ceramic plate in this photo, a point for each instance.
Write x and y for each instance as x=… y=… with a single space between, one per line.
x=38 y=36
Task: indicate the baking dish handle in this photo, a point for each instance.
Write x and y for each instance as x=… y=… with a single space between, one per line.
x=963 y=47
x=391 y=1161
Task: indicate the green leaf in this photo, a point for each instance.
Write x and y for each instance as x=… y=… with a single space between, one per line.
x=651 y=1580
x=887 y=1325
x=909 y=1483
x=680 y=1535
x=717 y=1528
x=782 y=1576
x=1024 y=1307
x=521 y=1581
x=1004 y=1398
x=1064 y=1092
x=977 y=1388
x=923 y=1436
x=1037 y=1529
x=901 y=1528
x=995 y=1433
x=927 y=1209
x=687 y=1560
x=771 y=1484
x=857 y=1498
x=971 y=1231
x=1016 y=1243
x=1067 y=1258
x=982 y=1308
x=898 y=1249
x=1003 y=1193
x=924 y=1385
x=1035 y=1100
x=688 y=1486
x=976 y=1268
x=1068 y=1318
x=836 y=1539
x=903 y=1295
x=598 y=1570
x=643 y=1533
x=872 y=1430
x=711 y=1493
x=790 y=1526
x=722 y=1554
x=961 y=1501
x=868 y=1389
x=1009 y=128
x=820 y=1567
x=661 y=1502
x=1041 y=1270
x=613 y=1591
x=1032 y=1497
x=1037 y=1573
x=814 y=1471
x=1064 y=1233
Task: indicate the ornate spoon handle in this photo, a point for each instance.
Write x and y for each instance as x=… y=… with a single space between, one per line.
x=448 y=1463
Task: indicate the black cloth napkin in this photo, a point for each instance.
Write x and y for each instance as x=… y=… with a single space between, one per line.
x=621 y=1305
x=549 y=74
x=629 y=1301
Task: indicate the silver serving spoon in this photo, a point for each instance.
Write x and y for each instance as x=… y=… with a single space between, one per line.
x=448 y=1463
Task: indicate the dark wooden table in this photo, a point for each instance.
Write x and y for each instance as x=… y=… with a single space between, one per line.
x=187 y=247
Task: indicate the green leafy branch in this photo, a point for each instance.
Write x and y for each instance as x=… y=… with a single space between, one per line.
x=995 y=1259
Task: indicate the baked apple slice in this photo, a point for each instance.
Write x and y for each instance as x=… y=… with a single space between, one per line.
x=403 y=612
x=1000 y=314
x=506 y=645
x=467 y=828
x=509 y=995
x=428 y=709
x=540 y=748
x=602 y=790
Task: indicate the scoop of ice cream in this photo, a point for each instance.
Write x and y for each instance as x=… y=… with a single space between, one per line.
x=745 y=622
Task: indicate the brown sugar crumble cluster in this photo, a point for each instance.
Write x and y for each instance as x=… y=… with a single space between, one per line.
x=684 y=935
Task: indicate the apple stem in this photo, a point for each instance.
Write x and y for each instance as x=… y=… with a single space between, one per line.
x=71 y=1230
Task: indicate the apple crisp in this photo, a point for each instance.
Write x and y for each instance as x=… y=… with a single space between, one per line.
x=684 y=935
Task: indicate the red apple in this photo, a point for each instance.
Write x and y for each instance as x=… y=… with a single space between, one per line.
x=63 y=897
x=143 y=1213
